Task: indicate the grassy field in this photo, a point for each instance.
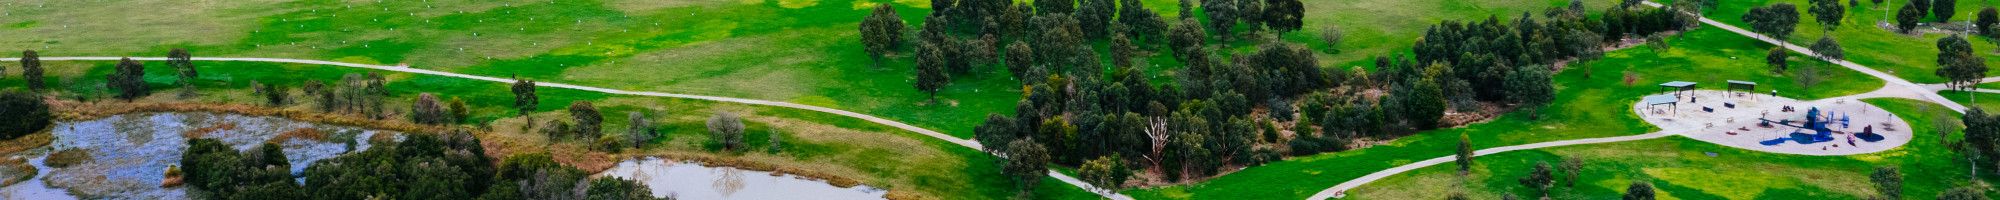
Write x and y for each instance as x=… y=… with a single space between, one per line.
x=1584 y=108
x=1911 y=57
x=876 y=155
x=1679 y=168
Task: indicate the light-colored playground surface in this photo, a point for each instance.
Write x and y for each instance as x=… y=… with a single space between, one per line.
x=1740 y=126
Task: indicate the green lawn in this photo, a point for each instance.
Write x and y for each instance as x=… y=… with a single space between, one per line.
x=1988 y=101
x=874 y=154
x=1907 y=56
x=1680 y=169
x=1584 y=108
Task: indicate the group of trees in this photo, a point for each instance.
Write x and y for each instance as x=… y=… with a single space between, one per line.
x=421 y=166
x=1075 y=112
x=1914 y=11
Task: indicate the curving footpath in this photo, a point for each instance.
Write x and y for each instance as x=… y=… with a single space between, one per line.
x=1928 y=93
x=926 y=132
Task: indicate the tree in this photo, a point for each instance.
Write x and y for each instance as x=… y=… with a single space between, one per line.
x=1964 y=193
x=1530 y=88
x=1107 y=172
x=1019 y=59
x=639 y=130
x=1923 y=7
x=589 y=123
x=1541 y=179
x=26 y=114
x=183 y=63
x=1122 y=51
x=1957 y=62
x=129 y=80
x=1627 y=4
x=614 y=188
x=1284 y=15
x=1094 y=16
x=1222 y=17
x=427 y=110
x=1888 y=182
x=1464 y=156
x=276 y=95
x=1332 y=35
x=1829 y=49
x=1639 y=190
x=1987 y=18
x=1187 y=40
x=1027 y=162
x=1776 y=59
x=1944 y=9
x=1982 y=132
x=881 y=32
x=1808 y=76
x=996 y=130
x=1423 y=104
x=930 y=68
x=1144 y=23
x=524 y=96
x=458 y=110
x=1828 y=12
x=1906 y=18
x=1777 y=20
x=727 y=129
x=31 y=71
x=1571 y=168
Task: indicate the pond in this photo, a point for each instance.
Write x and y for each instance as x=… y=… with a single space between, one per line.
x=687 y=180
x=129 y=154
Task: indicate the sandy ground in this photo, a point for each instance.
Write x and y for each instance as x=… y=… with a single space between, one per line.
x=1739 y=127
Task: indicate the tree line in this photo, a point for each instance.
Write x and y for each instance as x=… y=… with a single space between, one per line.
x=421 y=166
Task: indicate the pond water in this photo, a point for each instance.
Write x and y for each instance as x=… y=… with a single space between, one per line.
x=686 y=180
x=130 y=153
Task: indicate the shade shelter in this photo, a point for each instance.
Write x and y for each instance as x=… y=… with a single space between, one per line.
x=1670 y=100
x=1746 y=86
x=1678 y=86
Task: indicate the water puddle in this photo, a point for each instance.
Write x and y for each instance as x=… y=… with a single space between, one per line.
x=684 y=180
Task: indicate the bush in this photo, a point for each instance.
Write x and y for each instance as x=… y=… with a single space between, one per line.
x=26 y=114
x=67 y=157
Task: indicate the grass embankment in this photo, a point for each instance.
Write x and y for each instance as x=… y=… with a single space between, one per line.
x=1598 y=106
x=1911 y=57
x=1679 y=168
x=815 y=144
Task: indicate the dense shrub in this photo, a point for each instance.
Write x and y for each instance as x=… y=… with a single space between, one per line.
x=26 y=114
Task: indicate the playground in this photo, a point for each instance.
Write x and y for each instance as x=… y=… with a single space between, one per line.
x=1764 y=122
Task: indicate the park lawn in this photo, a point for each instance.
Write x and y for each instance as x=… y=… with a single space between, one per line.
x=1584 y=108
x=875 y=155
x=801 y=51
x=1907 y=56
x=1679 y=168
x=1989 y=85
x=1990 y=101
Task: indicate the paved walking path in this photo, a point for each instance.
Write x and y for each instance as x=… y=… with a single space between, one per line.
x=1897 y=87
x=926 y=132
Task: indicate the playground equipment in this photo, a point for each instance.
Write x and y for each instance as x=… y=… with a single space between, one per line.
x=1820 y=127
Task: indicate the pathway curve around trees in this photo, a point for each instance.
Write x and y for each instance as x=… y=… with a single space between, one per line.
x=1897 y=87
x=900 y=125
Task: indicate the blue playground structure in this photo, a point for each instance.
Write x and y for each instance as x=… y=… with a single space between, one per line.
x=1819 y=128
